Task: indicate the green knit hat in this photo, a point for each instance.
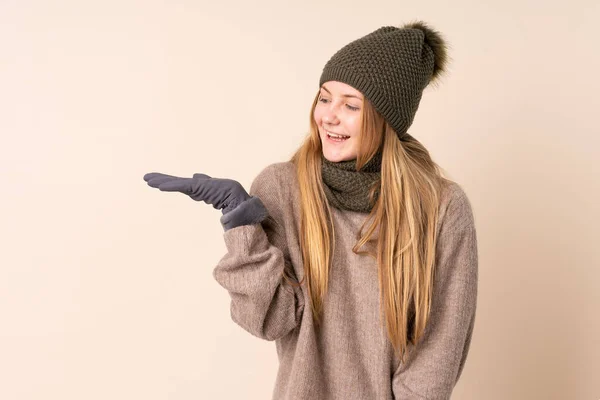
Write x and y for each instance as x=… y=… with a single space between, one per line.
x=391 y=67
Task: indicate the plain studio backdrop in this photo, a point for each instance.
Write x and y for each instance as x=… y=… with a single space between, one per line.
x=106 y=287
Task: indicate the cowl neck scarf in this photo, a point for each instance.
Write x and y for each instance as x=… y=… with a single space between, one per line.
x=348 y=189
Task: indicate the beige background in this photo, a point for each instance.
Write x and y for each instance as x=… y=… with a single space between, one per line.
x=106 y=287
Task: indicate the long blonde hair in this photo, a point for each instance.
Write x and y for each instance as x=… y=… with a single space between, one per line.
x=405 y=215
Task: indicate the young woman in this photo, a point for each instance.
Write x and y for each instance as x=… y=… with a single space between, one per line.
x=356 y=256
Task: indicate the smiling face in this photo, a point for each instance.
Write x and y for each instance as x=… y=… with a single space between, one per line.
x=338 y=111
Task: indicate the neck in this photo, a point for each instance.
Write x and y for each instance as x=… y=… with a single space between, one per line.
x=373 y=165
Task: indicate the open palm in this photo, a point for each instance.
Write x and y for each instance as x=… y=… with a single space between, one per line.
x=223 y=194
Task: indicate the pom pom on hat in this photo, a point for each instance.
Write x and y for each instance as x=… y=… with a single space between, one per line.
x=437 y=44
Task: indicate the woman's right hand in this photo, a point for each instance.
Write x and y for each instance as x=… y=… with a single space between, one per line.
x=223 y=194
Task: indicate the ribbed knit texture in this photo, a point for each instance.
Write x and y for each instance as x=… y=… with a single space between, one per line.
x=350 y=357
x=390 y=66
x=348 y=189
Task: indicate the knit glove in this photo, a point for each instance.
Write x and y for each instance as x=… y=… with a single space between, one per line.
x=227 y=195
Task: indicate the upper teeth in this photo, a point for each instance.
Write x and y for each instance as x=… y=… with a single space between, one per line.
x=334 y=135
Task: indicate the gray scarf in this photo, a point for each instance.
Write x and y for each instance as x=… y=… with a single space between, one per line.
x=348 y=189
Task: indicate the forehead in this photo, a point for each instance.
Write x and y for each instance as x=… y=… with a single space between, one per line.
x=341 y=89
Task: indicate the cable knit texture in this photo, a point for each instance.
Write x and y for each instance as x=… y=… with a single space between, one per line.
x=351 y=356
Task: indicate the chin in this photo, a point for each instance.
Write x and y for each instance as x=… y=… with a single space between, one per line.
x=332 y=153
x=337 y=157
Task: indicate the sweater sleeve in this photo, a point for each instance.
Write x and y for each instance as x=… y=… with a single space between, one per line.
x=435 y=364
x=262 y=301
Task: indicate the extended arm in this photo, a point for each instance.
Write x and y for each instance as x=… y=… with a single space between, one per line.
x=262 y=302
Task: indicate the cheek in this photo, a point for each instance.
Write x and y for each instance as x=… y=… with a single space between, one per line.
x=356 y=124
x=317 y=116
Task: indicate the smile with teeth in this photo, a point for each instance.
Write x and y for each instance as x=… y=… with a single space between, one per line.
x=337 y=138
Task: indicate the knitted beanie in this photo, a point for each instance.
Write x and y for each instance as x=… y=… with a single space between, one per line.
x=391 y=67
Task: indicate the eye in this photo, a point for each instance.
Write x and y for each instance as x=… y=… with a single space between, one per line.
x=351 y=108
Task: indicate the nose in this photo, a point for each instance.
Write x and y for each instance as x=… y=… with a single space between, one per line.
x=329 y=116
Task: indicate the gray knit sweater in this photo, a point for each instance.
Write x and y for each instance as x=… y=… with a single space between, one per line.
x=351 y=357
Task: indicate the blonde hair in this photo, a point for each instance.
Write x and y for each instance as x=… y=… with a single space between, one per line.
x=405 y=214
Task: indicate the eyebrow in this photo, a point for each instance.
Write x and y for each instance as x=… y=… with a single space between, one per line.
x=345 y=95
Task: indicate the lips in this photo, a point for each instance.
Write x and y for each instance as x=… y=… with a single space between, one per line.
x=334 y=133
x=336 y=140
